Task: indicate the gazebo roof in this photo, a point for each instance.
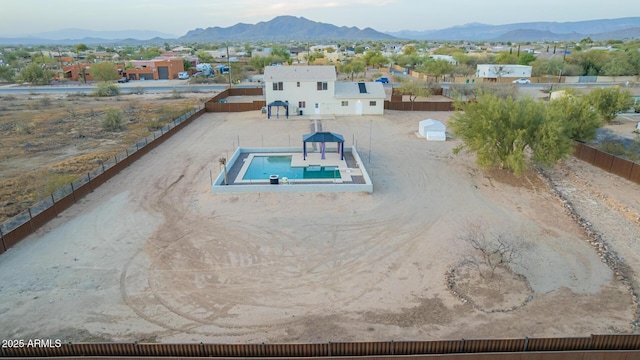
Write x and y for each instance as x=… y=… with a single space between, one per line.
x=320 y=136
x=279 y=103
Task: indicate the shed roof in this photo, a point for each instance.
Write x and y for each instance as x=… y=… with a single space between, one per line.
x=433 y=125
x=299 y=73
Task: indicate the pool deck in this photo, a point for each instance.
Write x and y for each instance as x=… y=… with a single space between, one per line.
x=331 y=159
x=353 y=174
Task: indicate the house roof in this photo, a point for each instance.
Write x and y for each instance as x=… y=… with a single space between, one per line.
x=299 y=73
x=350 y=90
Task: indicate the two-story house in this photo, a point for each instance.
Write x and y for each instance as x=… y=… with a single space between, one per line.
x=313 y=90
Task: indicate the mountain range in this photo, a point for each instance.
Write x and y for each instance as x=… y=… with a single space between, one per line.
x=284 y=28
x=603 y=29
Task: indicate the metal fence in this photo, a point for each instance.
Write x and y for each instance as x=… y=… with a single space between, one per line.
x=22 y=225
x=584 y=348
x=611 y=163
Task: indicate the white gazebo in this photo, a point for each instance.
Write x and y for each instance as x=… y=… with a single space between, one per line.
x=432 y=130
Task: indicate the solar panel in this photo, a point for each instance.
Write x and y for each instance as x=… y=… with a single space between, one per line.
x=363 y=88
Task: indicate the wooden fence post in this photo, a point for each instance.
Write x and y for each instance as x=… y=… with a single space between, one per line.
x=31 y=221
x=53 y=204
x=4 y=246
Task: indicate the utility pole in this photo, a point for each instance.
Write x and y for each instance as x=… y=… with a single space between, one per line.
x=229 y=66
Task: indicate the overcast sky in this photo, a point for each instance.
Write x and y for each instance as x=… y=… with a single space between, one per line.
x=176 y=17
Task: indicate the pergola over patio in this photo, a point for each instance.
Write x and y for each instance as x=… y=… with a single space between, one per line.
x=278 y=103
x=322 y=138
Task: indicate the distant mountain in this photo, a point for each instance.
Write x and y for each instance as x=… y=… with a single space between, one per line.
x=104 y=35
x=596 y=29
x=283 y=28
x=90 y=37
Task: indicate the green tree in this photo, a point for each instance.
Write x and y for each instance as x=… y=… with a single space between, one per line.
x=104 y=71
x=81 y=48
x=622 y=63
x=259 y=62
x=204 y=57
x=374 y=58
x=188 y=65
x=414 y=89
x=576 y=113
x=436 y=67
x=502 y=131
x=550 y=67
x=35 y=75
x=526 y=59
x=609 y=102
x=409 y=50
x=7 y=73
x=506 y=58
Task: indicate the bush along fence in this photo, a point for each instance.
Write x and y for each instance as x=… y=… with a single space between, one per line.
x=22 y=225
x=582 y=348
x=611 y=163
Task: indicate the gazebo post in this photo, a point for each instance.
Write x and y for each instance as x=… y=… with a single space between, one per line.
x=268 y=111
x=304 y=150
x=322 y=156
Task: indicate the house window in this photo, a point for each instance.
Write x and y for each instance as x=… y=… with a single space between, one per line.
x=277 y=86
x=302 y=104
x=372 y=103
x=322 y=85
x=345 y=103
x=298 y=84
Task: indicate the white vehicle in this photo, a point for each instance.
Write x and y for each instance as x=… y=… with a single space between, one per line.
x=522 y=81
x=183 y=75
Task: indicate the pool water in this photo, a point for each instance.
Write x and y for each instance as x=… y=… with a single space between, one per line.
x=262 y=167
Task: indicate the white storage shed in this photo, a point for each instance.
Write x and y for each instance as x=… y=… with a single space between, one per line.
x=432 y=130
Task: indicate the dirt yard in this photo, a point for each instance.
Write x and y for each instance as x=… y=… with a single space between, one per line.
x=153 y=255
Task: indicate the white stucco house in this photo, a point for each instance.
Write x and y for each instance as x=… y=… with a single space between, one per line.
x=494 y=71
x=313 y=90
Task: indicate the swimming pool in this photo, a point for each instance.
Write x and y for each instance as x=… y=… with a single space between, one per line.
x=262 y=167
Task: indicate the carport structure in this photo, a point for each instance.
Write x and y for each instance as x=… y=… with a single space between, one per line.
x=278 y=103
x=322 y=138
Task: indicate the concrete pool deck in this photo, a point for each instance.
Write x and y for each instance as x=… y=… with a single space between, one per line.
x=353 y=176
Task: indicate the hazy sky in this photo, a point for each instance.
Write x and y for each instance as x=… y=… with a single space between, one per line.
x=176 y=17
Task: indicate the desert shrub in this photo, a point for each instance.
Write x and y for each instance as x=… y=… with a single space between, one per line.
x=613 y=148
x=138 y=90
x=54 y=182
x=106 y=89
x=176 y=94
x=113 y=121
x=155 y=125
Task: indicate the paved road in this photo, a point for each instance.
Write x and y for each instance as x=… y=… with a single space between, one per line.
x=127 y=88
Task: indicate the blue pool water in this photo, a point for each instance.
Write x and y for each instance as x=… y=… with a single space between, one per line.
x=262 y=167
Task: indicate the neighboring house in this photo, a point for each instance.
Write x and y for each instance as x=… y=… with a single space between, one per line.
x=314 y=90
x=496 y=71
x=447 y=58
x=75 y=72
x=163 y=69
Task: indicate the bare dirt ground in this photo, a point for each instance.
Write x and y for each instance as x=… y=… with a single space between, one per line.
x=153 y=255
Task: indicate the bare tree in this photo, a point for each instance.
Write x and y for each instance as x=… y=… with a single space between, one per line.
x=492 y=249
